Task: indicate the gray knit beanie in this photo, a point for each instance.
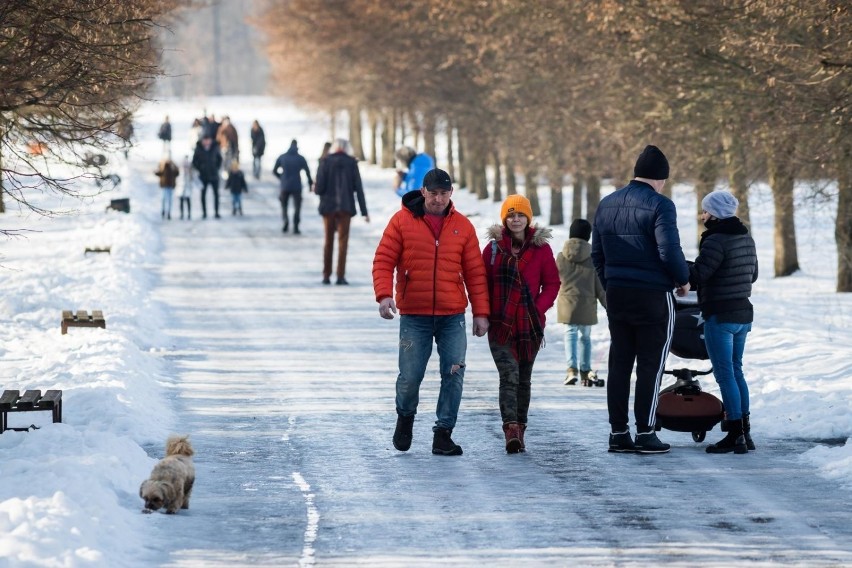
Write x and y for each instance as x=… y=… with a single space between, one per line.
x=720 y=204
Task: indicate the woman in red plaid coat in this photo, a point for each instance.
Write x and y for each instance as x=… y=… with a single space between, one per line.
x=523 y=282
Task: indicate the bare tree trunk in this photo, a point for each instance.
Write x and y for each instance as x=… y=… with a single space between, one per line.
x=511 y=180
x=217 y=50
x=707 y=173
x=451 y=166
x=462 y=158
x=332 y=123
x=577 y=196
x=429 y=134
x=373 y=121
x=843 y=224
x=531 y=189
x=781 y=181
x=2 y=191
x=556 y=179
x=736 y=167
x=355 y=133
x=388 y=138
x=415 y=129
x=593 y=196
x=498 y=178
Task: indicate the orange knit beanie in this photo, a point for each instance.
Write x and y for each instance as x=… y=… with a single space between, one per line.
x=516 y=204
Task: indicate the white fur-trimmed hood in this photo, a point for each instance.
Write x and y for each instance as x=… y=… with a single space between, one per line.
x=540 y=234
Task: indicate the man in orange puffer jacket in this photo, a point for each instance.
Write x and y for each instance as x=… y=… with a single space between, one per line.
x=435 y=253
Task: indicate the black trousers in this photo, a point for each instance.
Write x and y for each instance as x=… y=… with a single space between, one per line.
x=640 y=325
x=284 y=197
x=214 y=184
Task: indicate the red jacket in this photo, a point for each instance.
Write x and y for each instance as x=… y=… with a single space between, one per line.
x=431 y=274
x=537 y=264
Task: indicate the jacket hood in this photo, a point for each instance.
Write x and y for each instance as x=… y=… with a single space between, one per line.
x=577 y=250
x=540 y=235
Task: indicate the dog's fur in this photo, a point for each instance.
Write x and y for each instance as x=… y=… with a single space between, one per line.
x=170 y=484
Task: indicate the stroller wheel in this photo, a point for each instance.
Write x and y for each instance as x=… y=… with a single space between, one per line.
x=698 y=437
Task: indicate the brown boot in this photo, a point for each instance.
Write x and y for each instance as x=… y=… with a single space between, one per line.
x=522 y=428
x=512 y=431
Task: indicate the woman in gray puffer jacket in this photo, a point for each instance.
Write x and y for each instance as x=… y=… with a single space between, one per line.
x=723 y=273
x=576 y=305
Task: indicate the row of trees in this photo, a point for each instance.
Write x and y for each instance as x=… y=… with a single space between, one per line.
x=73 y=72
x=735 y=90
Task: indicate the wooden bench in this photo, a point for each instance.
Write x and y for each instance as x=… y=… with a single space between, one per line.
x=97 y=249
x=82 y=319
x=31 y=400
x=121 y=204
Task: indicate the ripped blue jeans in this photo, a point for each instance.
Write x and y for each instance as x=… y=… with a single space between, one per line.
x=416 y=334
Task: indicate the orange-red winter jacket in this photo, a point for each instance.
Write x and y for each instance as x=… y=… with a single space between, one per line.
x=431 y=274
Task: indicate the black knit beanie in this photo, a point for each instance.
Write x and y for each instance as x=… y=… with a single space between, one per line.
x=580 y=229
x=652 y=164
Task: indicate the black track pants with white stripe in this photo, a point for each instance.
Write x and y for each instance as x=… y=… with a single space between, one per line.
x=640 y=325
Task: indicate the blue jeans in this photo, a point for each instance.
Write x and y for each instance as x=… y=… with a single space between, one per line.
x=415 y=348
x=584 y=332
x=167 y=201
x=725 y=345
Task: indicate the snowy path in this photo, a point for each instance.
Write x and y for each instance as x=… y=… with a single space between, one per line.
x=287 y=389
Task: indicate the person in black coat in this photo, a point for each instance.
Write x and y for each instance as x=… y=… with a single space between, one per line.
x=288 y=169
x=723 y=273
x=208 y=160
x=338 y=185
x=236 y=183
x=165 y=134
x=258 y=147
x=639 y=261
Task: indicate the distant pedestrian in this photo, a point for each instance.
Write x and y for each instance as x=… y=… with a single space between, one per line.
x=168 y=173
x=339 y=186
x=323 y=155
x=208 y=161
x=226 y=137
x=522 y=285
x=288 y=169
x=165 y=134
x=124 y=129
x=415 y=167
x=637 y=255
x=580 y=291
x=186 y=188
x=258 y=147
x=196 y=132
x=723 y=273
x=236 y=183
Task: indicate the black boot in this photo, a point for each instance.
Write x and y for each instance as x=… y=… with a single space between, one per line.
x=733 y=442
x=747 y=434
x=443 y=445
x=403 y=435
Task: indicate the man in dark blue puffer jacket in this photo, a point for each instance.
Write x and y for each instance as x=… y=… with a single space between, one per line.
x=637 y=254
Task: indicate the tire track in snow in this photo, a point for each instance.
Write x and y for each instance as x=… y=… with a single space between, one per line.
x=307 y=558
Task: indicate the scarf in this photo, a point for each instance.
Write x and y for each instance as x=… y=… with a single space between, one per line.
x=515 y=320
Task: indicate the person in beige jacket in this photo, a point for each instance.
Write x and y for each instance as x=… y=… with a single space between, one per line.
x=576 y=305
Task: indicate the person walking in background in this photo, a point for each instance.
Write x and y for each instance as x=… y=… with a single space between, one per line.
x=723 y=274
x=226 y=137
x=637 y=255
x=168 y=173
x=236 y=183
x=323 y=155
x=288 y=169
x=576 y=305
x=186 y=188
x=165 y=134
x=258 y=147
x=434 y=253
x=338 y=186
x=196 y=133
x=415 y=168
x=522 y=284
x=207 y=160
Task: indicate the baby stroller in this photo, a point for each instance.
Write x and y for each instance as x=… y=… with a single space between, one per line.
x=683 y=406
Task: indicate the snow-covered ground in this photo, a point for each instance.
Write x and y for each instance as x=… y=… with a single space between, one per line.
x=201 y=314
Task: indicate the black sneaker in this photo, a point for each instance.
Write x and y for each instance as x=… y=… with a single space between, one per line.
x=443 y=445
x=648 y=443
x=342 y=282
x=621 y=443
x=326 y=280
x=403 y=435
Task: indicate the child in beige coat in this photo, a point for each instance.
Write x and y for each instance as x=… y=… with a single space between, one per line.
x=576 y=305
